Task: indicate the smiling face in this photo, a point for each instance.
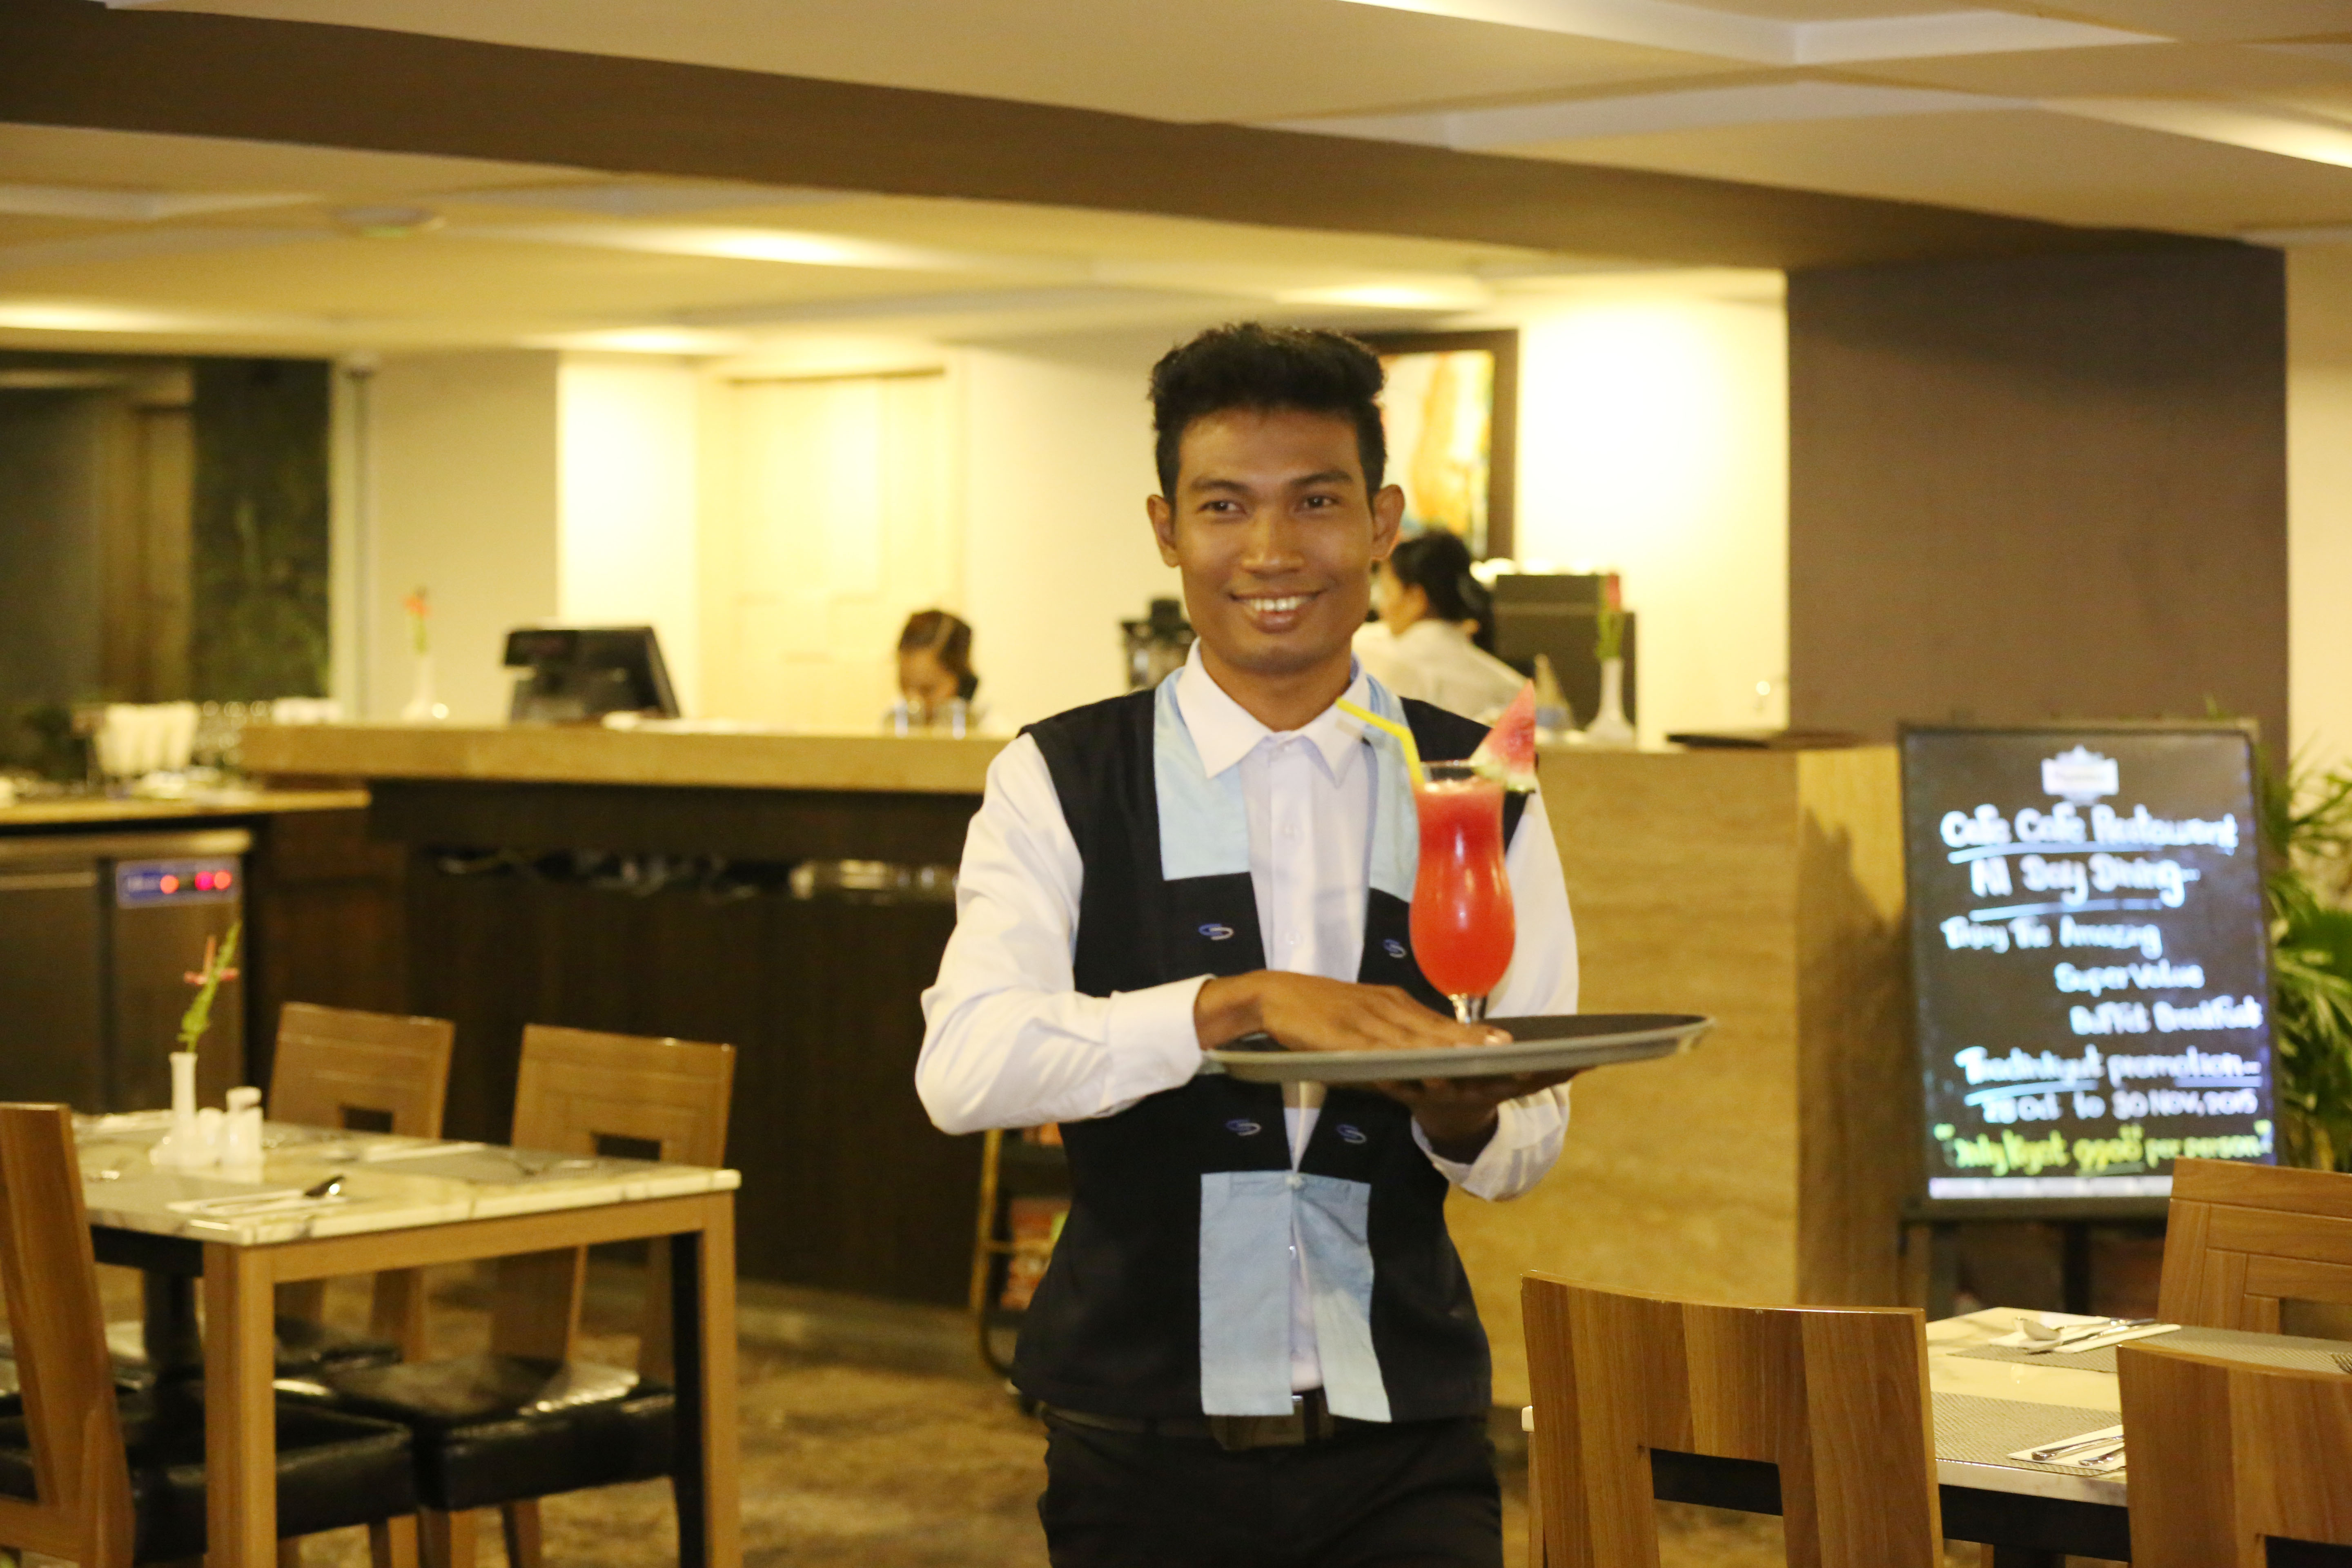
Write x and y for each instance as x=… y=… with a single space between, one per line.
x=1276 y=538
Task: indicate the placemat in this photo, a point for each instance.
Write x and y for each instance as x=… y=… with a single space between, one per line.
x=1980 y=1431
x=2261 y=1349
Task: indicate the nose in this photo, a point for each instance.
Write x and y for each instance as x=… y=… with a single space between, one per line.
x=1272 y=546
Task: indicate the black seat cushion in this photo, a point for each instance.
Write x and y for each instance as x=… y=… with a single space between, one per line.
x=494 y=1430
x=334 y=1469
x=306 y=1348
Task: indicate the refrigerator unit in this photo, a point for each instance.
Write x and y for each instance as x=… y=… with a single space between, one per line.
x=98 y=934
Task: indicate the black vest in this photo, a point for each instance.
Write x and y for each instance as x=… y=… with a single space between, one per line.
x=1114 y=1328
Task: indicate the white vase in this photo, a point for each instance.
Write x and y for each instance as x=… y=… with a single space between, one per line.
x=1610 y=726
x=421 y=708
x=186 y=1147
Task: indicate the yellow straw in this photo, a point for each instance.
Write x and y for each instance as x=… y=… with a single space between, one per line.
x=1403 y=735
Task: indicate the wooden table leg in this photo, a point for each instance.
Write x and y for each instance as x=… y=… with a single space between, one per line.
x=702 y=1282
x=240 y=1409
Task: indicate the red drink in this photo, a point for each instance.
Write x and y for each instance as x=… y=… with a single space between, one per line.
x=1463 y=930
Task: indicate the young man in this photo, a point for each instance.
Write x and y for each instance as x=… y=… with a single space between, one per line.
x=1255 y=1344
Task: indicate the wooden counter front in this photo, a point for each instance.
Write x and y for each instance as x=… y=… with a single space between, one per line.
x=656 y=755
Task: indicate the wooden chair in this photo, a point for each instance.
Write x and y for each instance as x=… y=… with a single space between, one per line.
x=2239 y=1239
x=66 y=1486
x=575 y=1089
x=1837 y=1397
x=338 y=1067
x=2226 y=1455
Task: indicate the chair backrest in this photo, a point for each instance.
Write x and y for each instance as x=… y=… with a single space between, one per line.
x=2239 y=1239
x=2224 y=1455
x=1837 y=1397
x=577 y=1085
x=59 y=1326
x=332 y=1061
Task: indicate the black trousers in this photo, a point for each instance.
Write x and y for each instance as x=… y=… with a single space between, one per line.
x=1420 y=1495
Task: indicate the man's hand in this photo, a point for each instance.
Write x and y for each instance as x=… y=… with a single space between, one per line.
x=1308 y=1013
x=1458 y=1115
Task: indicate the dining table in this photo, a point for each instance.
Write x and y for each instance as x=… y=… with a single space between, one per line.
x=1996 y=1399
x=323 y=1202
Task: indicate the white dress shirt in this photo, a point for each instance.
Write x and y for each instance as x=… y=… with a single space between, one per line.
x=1434 y=661
x=1009 y=1042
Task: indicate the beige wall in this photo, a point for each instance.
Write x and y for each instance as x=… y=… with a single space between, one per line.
x=1057 y=462
x=629 y=486
x=465 y=502
x=2319 y=502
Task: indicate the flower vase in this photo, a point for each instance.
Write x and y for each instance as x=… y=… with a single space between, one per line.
x=185 y=1146
x=421 y=708
x=1610 y=727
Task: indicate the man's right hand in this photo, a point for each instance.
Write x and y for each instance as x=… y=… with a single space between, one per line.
x=1308 y=1013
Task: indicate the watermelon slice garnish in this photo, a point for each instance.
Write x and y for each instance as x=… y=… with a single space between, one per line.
x=1508 y=751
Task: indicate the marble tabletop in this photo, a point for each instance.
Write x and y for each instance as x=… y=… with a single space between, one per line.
x=388 y=1183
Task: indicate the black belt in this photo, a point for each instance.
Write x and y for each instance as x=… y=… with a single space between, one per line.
x=1311 y=1421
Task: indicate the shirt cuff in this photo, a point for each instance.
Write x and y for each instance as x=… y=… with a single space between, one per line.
x=1488 y=1173
x=1154 y=1042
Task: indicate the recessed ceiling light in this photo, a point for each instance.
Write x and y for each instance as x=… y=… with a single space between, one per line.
x=387 y=222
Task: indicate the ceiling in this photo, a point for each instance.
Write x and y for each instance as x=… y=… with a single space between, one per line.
x=2229 y=118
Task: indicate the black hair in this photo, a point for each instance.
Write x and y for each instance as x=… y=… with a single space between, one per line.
x=947 y=639
x=1247 y=364
x=1438 y=563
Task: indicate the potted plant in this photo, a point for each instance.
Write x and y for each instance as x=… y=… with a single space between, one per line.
x=2306 y=830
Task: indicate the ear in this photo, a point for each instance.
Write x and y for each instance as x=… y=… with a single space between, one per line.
x=1163 y=527
x=1387 y=517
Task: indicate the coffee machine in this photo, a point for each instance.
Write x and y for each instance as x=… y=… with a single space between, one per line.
x=1158 y=645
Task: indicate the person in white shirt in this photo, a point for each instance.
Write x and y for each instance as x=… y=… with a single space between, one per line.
x=1424 y=644
x=1255 y=1341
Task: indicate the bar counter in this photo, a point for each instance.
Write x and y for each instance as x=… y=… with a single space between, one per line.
x=1763 y=888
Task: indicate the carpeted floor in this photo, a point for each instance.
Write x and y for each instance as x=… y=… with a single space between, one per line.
x=873 y=1437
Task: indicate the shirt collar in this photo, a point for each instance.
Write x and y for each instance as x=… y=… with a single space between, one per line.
x=1224 y=731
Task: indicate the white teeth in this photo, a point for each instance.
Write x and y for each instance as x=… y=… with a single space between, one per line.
x=1278 y=606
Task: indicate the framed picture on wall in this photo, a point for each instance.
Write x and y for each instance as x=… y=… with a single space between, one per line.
x=1451 y=411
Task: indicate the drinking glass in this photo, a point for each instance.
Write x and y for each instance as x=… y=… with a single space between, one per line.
x=1462 y=927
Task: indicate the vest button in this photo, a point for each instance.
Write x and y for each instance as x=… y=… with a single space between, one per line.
x=1296 y=1180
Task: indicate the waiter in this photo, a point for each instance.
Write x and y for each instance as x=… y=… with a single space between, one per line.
x=1255 y=1344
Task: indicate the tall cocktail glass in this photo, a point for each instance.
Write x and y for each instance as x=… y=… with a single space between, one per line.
x=1462 y=928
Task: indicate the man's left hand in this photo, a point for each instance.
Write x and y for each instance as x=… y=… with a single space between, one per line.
x=1458 y=1115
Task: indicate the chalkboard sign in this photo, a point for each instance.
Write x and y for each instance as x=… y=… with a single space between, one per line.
x=2089 y=960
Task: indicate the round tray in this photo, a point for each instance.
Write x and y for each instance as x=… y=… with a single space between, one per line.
x=1550 y=1044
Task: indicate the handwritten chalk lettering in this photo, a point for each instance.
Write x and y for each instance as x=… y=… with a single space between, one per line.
x=2009 y=1152
x=2073 y=933
x=2109 y=1019
x=2162 y=975
x=1980 y=1066
x=2157 y=832
x=2061 y=824
x=2119 y=1155
x=2168 y=879
x=2015 y=1108
x=1960 y=931
x=1962 y=831
x=2070 y=879
x=2233 y=1146
x=1988 y=879
x=2213 y=1013
x=2029 y=933
x=2191 y=1063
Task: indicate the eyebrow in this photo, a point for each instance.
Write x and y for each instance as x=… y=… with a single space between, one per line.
x=1326 y=477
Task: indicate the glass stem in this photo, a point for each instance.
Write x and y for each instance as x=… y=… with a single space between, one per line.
x=1469 y=1009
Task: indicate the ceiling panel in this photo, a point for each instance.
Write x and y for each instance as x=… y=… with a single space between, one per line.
x=1207 y=59
x=2021 y=162
x=2122 y=70
x=2212 y=21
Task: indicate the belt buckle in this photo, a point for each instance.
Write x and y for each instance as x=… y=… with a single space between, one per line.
x=1237 y=1433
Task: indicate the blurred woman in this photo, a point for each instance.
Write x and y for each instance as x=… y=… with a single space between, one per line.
x=935 y=669
x=1424 y=644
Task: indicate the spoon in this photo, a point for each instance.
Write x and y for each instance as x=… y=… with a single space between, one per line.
x=326 y=1189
